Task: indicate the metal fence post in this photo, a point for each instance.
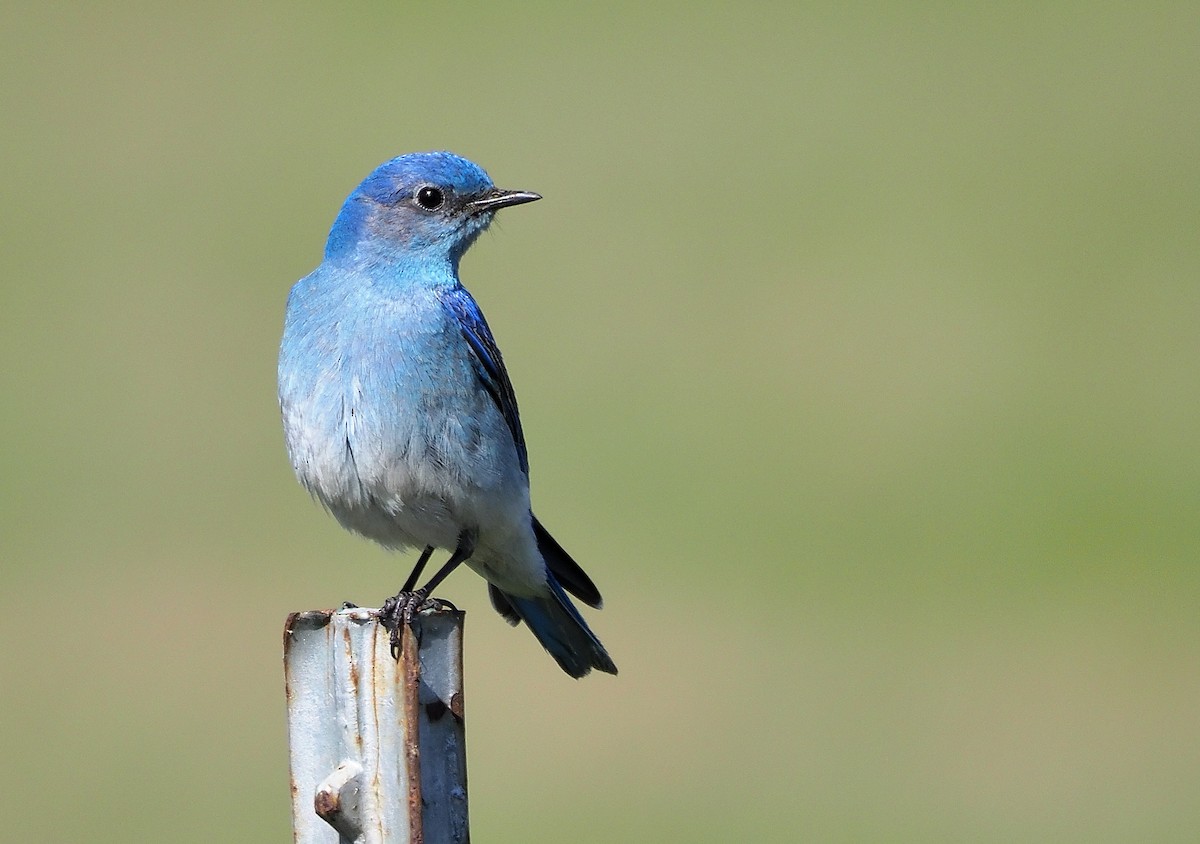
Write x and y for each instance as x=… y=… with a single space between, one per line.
x=378 y=753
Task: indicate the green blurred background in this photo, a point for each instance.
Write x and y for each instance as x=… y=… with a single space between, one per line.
x=856 y=349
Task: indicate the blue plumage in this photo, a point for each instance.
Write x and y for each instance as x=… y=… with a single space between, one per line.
x=398 y=413
x=491 y=371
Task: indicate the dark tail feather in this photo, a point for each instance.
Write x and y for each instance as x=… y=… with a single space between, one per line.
x=558 y=626
x=569 y=574
x=500 y=602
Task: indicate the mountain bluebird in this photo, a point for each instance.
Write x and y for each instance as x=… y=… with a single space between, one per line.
x=398 y=412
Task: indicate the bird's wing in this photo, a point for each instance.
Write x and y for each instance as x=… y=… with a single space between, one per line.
x=489 y=364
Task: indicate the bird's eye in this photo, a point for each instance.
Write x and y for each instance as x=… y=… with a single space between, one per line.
x=430 y=198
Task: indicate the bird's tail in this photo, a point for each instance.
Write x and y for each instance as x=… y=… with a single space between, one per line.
x=559 y=627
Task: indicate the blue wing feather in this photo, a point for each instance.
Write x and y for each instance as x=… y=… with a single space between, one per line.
x=489 y=364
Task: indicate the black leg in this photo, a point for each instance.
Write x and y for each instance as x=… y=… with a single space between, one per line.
x=398 y=611
x=417 y=569
x=462 y=552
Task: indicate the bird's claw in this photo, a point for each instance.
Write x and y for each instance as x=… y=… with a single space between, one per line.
x=439 y=605
x=399 y=611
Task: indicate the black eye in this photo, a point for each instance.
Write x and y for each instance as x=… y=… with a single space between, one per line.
x=430 y=198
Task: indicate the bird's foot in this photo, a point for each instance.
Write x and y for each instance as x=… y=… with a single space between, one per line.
x=398 y=612
x=440 y=605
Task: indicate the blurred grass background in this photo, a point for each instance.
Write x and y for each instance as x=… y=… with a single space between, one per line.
x=856 y=349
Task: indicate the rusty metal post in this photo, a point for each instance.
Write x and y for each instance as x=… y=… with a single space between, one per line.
x=378 y=753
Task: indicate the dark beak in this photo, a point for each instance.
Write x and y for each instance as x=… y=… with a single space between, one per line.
x=497 y=198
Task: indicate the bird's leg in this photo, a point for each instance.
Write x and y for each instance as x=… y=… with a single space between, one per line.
x=417 y=569
x=398 y=611
x=462 y=552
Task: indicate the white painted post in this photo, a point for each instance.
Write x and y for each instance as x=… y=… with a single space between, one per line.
x=378 y=753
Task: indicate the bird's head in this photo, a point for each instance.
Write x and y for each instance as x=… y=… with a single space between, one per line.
x=429 y=205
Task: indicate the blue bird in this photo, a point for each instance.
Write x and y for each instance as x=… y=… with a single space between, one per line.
x=399 y=415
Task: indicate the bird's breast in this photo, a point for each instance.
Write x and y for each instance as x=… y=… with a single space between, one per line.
x=388 y=425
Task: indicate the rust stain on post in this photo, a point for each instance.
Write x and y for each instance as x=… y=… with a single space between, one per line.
x=327 y=804
x=354 y=679
x=412 y=739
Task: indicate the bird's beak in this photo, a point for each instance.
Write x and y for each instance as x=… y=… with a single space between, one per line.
x=497 y=198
